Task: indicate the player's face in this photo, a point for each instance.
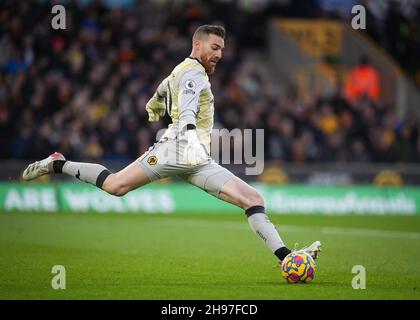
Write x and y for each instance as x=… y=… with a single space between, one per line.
x=211 y=52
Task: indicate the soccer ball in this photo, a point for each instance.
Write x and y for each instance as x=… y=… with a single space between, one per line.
x=298 y=267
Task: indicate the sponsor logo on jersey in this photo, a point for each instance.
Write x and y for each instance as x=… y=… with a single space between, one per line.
x=188 y=91
x=152 y=160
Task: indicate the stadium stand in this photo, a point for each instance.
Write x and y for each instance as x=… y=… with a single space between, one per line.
x=83 y=90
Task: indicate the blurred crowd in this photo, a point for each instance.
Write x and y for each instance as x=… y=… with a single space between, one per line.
x=398 y=32
x=82 y=91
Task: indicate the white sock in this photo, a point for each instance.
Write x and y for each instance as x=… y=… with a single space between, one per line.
x=88 y=172
x=266 y=231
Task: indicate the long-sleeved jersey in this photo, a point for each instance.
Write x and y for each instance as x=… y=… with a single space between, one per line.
x=189 y=100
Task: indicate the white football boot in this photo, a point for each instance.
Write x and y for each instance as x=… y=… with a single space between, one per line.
x=313 y=249
x=39 y=168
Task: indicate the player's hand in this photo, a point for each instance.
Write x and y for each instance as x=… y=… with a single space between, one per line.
x=194 y=152
x=155 y=107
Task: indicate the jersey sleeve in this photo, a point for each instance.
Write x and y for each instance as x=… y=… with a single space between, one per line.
x=162 y=88
x=190 y=85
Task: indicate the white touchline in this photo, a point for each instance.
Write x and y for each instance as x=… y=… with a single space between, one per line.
x=372 y=232
x=351 y=231
x=340 y=231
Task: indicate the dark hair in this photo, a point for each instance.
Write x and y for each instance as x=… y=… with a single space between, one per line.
x=207 y=29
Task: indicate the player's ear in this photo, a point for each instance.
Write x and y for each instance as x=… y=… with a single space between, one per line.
x=197 y=44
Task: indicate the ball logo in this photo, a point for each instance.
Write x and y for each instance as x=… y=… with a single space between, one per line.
x=190 y=84
x=152 y=160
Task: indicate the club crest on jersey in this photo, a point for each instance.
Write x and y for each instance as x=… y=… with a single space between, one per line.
x=152 y=160
x=190 y=84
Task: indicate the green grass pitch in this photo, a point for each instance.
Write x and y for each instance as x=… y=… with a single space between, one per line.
x=127 y=256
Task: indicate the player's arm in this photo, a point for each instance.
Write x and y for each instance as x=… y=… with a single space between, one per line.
x=162 y=89
x=155 y=107
x=190 y=86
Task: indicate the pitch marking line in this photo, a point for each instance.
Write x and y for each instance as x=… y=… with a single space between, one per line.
x=304 y=229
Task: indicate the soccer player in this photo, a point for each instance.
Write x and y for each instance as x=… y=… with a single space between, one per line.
x=184 y=149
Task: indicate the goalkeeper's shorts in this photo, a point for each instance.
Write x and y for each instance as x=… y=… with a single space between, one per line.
x=165 y=159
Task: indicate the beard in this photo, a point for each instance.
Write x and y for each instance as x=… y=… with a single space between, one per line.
x=210 y=68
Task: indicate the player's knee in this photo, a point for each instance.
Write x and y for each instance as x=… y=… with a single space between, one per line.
x=114 y=187
x=253 y=199
x=119 y=191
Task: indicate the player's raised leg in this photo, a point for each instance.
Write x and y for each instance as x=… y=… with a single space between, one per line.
x=241 y=194
x=118 y=184
x=131 y=177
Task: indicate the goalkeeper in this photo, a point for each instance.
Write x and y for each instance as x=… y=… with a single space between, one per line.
x=184 y=149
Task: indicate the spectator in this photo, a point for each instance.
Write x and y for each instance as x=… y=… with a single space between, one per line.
x=363 y=81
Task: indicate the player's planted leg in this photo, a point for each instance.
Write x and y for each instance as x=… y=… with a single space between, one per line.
x=239 y=193
x=313 y=249
x=264 y=228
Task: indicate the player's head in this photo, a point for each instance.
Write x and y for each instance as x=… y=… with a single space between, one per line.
x=207 y=45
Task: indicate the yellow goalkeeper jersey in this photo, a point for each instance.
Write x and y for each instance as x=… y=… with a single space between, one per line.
x=189 y=100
